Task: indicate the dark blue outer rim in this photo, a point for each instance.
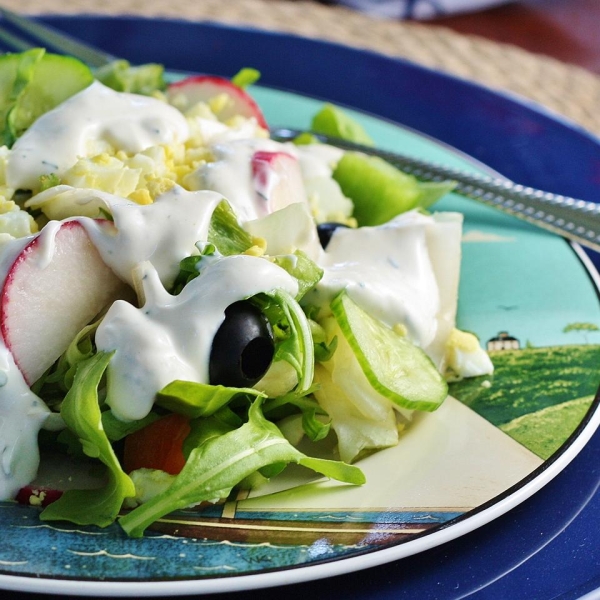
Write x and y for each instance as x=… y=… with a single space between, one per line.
x=513 y=136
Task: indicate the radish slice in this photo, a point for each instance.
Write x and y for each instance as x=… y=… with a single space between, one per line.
x=37 y=496
x=56 y=286
x=202 y=88
x=277 y=179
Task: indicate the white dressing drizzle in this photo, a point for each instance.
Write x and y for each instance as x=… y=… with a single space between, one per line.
x=170 y=337
x=231 y=175
x=163 y=232
x=73 y=129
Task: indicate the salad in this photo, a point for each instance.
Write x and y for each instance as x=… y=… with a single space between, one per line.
x=191 y=306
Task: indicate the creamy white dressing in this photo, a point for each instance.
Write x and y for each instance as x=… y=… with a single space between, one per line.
x=74 y=129
x=389 y=272
x=317 y=160
x=170 y=337
x=212 y=131
x=231 y=175
x=163 y=232
x=22 y=413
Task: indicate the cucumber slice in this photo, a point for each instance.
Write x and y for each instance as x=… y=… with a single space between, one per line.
x=394 y=366
x=380 y=191
x=33 y=83
x=16 y=70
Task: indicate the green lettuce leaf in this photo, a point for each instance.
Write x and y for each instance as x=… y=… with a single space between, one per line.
x=303 y=269
x=226 y=233
x=222 y=461
x=81 y=413
x=122 y=77
x=193 y=399
x=189 y=268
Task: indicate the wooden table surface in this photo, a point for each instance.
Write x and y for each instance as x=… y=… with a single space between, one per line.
x=568 y=30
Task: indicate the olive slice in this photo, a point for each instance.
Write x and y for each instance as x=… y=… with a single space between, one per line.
x=326 y=230
x=243 y=347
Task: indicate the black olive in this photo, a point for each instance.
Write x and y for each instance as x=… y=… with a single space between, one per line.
x=243 y=347
x=326 y=230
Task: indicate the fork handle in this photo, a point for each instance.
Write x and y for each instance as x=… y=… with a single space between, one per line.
x=577 y=220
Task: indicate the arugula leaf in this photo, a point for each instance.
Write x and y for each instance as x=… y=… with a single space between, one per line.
x=193 y=399
x=298 y=349
x=81 y=413
x=204 y=429
x=116 y=429
x=59 y=378
x=218 y=464
x=334 y=122
x=323 y=349
x=293 y=338
x=316 y=429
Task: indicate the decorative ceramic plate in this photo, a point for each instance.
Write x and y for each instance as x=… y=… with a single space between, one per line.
x=530 y=297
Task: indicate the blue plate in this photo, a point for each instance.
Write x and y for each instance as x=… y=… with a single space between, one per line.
x=549 y=545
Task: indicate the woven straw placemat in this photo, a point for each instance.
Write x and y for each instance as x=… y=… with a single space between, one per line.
x=568 y=90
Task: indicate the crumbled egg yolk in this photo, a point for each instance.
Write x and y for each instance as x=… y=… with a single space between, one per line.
x=139 y=177
x=258 y=248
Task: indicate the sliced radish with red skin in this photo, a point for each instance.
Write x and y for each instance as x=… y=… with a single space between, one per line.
x=202 y=88
x=31 y=495
x=52 y=290
x=277 y=179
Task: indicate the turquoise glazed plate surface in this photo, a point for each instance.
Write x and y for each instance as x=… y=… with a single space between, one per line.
x=531 y=298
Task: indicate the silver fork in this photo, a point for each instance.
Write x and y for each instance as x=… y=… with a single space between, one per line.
x=576 y=220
